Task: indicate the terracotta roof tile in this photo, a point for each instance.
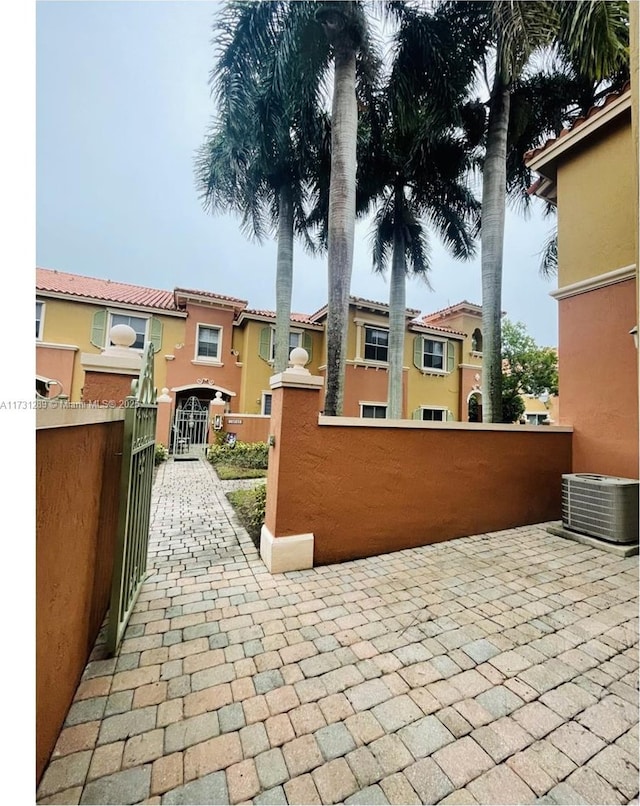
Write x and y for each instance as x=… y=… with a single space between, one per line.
x=608 y=99
x=300 y=318
x=78 y=285
x=443 y=311
x=210 y=295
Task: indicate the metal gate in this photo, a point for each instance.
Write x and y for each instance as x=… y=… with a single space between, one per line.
x=190 y=426
x=138 y=457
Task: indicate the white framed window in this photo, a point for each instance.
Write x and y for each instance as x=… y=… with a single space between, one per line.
x=373 y=411
x=265 y=408
x=433 y=414
x=536 y=418
x=295 y=340
x=376 y=343
x=139 y=323
x=434 y=354
x=208 y=342
x=39 y=319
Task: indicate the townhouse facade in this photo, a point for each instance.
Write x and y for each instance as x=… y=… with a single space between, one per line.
x=210 y=346
x=590 y=173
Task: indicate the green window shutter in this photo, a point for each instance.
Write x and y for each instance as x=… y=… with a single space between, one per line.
x=307 y=343
x=264 y=349
x=417 y=352
x=450 y=417
x=451 y=356
x=417 y=414
x=155 y=334
x=99 y=329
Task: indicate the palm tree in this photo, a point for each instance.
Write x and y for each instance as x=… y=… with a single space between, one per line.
x=415 y=174
x=345 y=27
x=593 y=33
x=255 y=159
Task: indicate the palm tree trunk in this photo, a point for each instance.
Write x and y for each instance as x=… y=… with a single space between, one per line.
x=284 y=279
x=494 y=185
x=397 y=307
x=342 y=210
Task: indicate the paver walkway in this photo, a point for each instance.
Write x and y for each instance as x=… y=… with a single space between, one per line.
x=498 y=668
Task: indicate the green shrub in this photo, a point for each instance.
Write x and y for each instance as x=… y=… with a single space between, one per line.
x=230 y=472
x=162 y=453
x=242 y=454
x=249 y=506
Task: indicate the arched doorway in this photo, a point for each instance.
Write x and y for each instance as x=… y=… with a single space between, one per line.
x=474 y=407
x=190 y=425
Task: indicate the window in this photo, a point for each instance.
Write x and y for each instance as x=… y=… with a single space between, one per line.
x=476 y=341
x=536 y=419
x=266 y=403
x=376 y=344
x=208 y=342
x=433 y=354
x=138 y=323
x=295 y=340
x=39 y=319
x=434 y=415
x=373 y=411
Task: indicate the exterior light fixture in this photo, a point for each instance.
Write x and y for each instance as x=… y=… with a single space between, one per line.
x=634 y=332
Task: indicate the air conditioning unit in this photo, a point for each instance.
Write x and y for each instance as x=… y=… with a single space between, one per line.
x=601 y=506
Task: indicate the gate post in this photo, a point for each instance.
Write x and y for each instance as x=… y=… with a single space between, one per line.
x=294 y=406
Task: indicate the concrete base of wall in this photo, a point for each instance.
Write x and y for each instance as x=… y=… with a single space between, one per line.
x=280 y=554
x=620 y=549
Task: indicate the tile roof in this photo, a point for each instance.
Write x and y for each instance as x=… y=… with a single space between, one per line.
x=427 y=325
x=209 y=295
x=428 y=317
x=608 y=100
x=105 y=290
x=300 y=318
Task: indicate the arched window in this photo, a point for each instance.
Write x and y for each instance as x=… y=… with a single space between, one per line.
x=476 y=340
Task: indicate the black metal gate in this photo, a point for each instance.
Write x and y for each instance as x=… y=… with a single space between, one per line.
x=138 y=455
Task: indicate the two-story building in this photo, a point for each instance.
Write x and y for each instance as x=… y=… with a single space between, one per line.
x=209 y=345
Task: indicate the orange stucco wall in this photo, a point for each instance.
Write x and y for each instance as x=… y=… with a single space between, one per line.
x=598 y=379
x=106 y=388
x=77 y=492
x=57 y=364
x=369 y=384
x=250 y=429
x=364 y=490
x=183 y=371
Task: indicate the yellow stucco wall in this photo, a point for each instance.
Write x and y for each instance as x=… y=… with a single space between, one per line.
x=431 y=390
x=255 y=371
x=70 y=322
x=597 y=217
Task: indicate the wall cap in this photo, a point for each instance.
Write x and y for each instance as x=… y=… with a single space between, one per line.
x=364 y=422
x=55 y=414
x=54 y=346
x=296 y=380
x=118 y=364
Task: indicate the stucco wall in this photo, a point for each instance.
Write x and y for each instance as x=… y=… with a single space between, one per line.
x=366 y=490
x=57 y=364
x=596 y=212
x=598 y=379
x=248 y=428
x=77 y=490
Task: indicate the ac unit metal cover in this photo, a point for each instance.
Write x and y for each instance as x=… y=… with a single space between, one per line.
x=601 y=506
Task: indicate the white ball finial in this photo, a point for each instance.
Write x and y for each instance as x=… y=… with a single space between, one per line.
x=122 y=335
x=298 y=358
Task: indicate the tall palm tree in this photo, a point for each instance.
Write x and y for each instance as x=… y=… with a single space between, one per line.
x=344 y=24
x=594 y=36
x=255 y=159
x=415 y=174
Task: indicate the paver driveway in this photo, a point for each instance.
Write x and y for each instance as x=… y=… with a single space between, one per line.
x=498 y=668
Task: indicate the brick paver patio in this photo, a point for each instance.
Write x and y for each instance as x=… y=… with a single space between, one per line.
x=498 y=668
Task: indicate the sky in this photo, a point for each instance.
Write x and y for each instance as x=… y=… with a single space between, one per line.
x=122 y=104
